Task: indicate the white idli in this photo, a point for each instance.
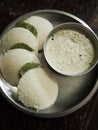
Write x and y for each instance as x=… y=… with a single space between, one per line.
x=43 y=27
x=19 y=35
x=37 y=89
x=13 y=60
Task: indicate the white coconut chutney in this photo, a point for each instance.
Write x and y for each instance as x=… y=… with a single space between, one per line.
x=69 y=52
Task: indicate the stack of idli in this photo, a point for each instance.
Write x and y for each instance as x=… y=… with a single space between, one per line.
x=32 y=32
x=21 y=67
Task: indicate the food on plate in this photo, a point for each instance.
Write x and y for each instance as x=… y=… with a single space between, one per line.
x=43 y=27
x=69 y=52
x=37 y=89
x=28 y=26
x=19 y=35
x=20 y=66
x=13 y=60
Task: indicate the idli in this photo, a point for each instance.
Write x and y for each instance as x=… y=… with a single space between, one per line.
x=19 y=35
x=37 y=89
x=13 y=60
x=43 y=27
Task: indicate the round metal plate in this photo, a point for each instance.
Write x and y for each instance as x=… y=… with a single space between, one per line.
x=74 y=92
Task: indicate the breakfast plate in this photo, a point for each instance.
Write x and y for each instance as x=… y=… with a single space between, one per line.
x=74 y=92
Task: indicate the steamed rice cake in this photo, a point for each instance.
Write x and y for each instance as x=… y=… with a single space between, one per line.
x=43 y=27
x=19 y=35
x=13 y=60
x=37 y=89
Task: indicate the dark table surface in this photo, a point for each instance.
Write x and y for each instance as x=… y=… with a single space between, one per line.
x=85 y=118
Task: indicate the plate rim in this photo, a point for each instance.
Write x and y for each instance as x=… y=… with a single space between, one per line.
x=48 y=115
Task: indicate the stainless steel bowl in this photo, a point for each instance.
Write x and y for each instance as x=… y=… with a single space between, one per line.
x=81 y=29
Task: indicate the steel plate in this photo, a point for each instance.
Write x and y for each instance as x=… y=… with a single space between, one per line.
x=74 y=92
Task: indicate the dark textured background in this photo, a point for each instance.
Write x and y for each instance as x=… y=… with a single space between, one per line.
x=13 y=119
